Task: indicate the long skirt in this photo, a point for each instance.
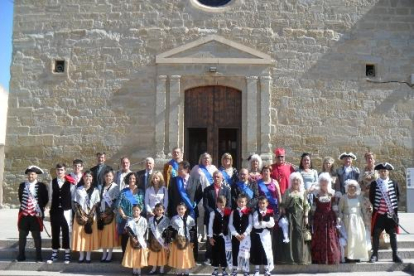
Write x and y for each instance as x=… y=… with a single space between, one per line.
x=135 y=258
x=181 y=259
x=82 y=241
x=108 y=236
x=159 y=258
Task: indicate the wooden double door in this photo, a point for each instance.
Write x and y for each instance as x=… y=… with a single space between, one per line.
x=213 y=123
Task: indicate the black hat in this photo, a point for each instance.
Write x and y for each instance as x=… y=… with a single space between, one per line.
x=34 y=169
x=384 y=166
x=347 y=154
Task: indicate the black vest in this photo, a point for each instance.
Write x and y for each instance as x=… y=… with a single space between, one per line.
x=266 y=218
x=240 y=223
x=61 y=197
x=220 y=224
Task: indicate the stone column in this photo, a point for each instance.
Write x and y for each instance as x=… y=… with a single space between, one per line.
x=251 y=116
x=265 y=118
x=160 y=108
x=175 y=102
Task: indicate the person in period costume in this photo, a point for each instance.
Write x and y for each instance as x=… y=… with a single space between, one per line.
x=136 y=253
x=261 y=235
x=325 y=239
x=182 y=230
x=230 y=174
x=99 y=169
x=120 y=174
x=158 y=249
x=347 y=171
x=243 y=186
x=85 y=230
x=295 y=208
x=281 y=170
x=384 y=195
x=156 y=193
x=129 y=197
x=240 y=226
x=187 y=189
x=353 y=214
x=77 y=173
x=106 y=221
x=171 y=168
x=33 y=197
x=144 y=179
x=210 y=196
x=203 y=171
x=255 y=166
x=218 y=236
x=61 y=190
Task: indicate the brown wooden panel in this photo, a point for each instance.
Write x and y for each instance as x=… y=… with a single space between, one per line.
x=212 y=108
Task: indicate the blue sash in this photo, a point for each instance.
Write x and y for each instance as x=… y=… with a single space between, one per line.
x=174 y=167
x=184 y=197
x=246 y=190
x=268 y=194
x=130 y=196
x=227 y=177
x=206 y=173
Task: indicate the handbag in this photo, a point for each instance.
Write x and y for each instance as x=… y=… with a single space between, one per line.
x=307 y=236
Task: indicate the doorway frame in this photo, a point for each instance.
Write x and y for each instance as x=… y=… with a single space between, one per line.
x=251 y=76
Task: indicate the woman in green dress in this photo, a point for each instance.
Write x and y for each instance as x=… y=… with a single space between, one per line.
x=295 y=208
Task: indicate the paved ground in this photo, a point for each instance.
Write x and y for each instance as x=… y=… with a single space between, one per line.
x=44 y=273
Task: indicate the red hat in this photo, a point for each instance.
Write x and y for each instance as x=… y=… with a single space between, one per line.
x=280 y=152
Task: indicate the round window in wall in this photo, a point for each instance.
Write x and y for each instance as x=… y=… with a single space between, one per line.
x=214 y=3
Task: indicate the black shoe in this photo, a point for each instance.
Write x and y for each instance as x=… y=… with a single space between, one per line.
x=108 y=261
x=21 y=258
x=396 y=259
x=88 y=261
x=374 y=259
x=152 y=272
x=81 y=261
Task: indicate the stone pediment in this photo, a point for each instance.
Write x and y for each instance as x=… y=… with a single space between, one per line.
x=213 y=49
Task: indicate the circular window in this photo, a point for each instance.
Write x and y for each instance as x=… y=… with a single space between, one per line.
x=214 y=3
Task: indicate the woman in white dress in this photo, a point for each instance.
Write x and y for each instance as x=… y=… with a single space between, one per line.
x=353 y=214
x=156 y=193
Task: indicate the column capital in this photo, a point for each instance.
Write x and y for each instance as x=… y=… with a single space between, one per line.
x=252 y=78
x=175 y=77
x=266 y=78
x=162 y=77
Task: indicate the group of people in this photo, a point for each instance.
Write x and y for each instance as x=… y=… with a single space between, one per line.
x=260 y=215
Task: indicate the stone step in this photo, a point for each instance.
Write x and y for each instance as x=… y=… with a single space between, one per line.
x=115 y=268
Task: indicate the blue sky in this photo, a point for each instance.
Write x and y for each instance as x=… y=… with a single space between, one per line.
x=6 y=26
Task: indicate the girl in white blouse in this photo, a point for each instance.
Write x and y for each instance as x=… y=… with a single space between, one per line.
x=156 y=193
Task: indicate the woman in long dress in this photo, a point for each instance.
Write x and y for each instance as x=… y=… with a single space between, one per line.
x=130 y=196
x=107 y=235
x=353 y=214
x=255 y=166
x=85 y=235
x=325 y=240
x=295 y=208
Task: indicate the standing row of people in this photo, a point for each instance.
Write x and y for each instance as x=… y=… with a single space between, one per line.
x=305 y=210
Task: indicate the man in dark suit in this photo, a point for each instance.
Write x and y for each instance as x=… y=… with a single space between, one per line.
x=99 y=170
x=144 y=176
x=211 y=193
x=184 y=188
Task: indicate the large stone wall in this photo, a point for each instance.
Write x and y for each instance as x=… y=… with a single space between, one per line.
x=321 y=100
x=3 y=122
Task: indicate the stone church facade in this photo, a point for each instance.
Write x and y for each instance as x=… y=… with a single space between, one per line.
x=138 y=77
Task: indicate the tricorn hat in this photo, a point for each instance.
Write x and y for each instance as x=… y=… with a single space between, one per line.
x=384 y=166
x=34 y=169
x=280 y=152
x=347 y=154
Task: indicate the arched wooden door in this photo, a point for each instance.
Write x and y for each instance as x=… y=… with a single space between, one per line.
x=213 y=123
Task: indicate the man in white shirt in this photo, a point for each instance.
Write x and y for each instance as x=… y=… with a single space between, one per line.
x=120 y=175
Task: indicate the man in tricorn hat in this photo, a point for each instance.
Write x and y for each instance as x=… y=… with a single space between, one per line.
x=384 y=195
x=33 y=197
x=347 y=171
x=281 y=170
